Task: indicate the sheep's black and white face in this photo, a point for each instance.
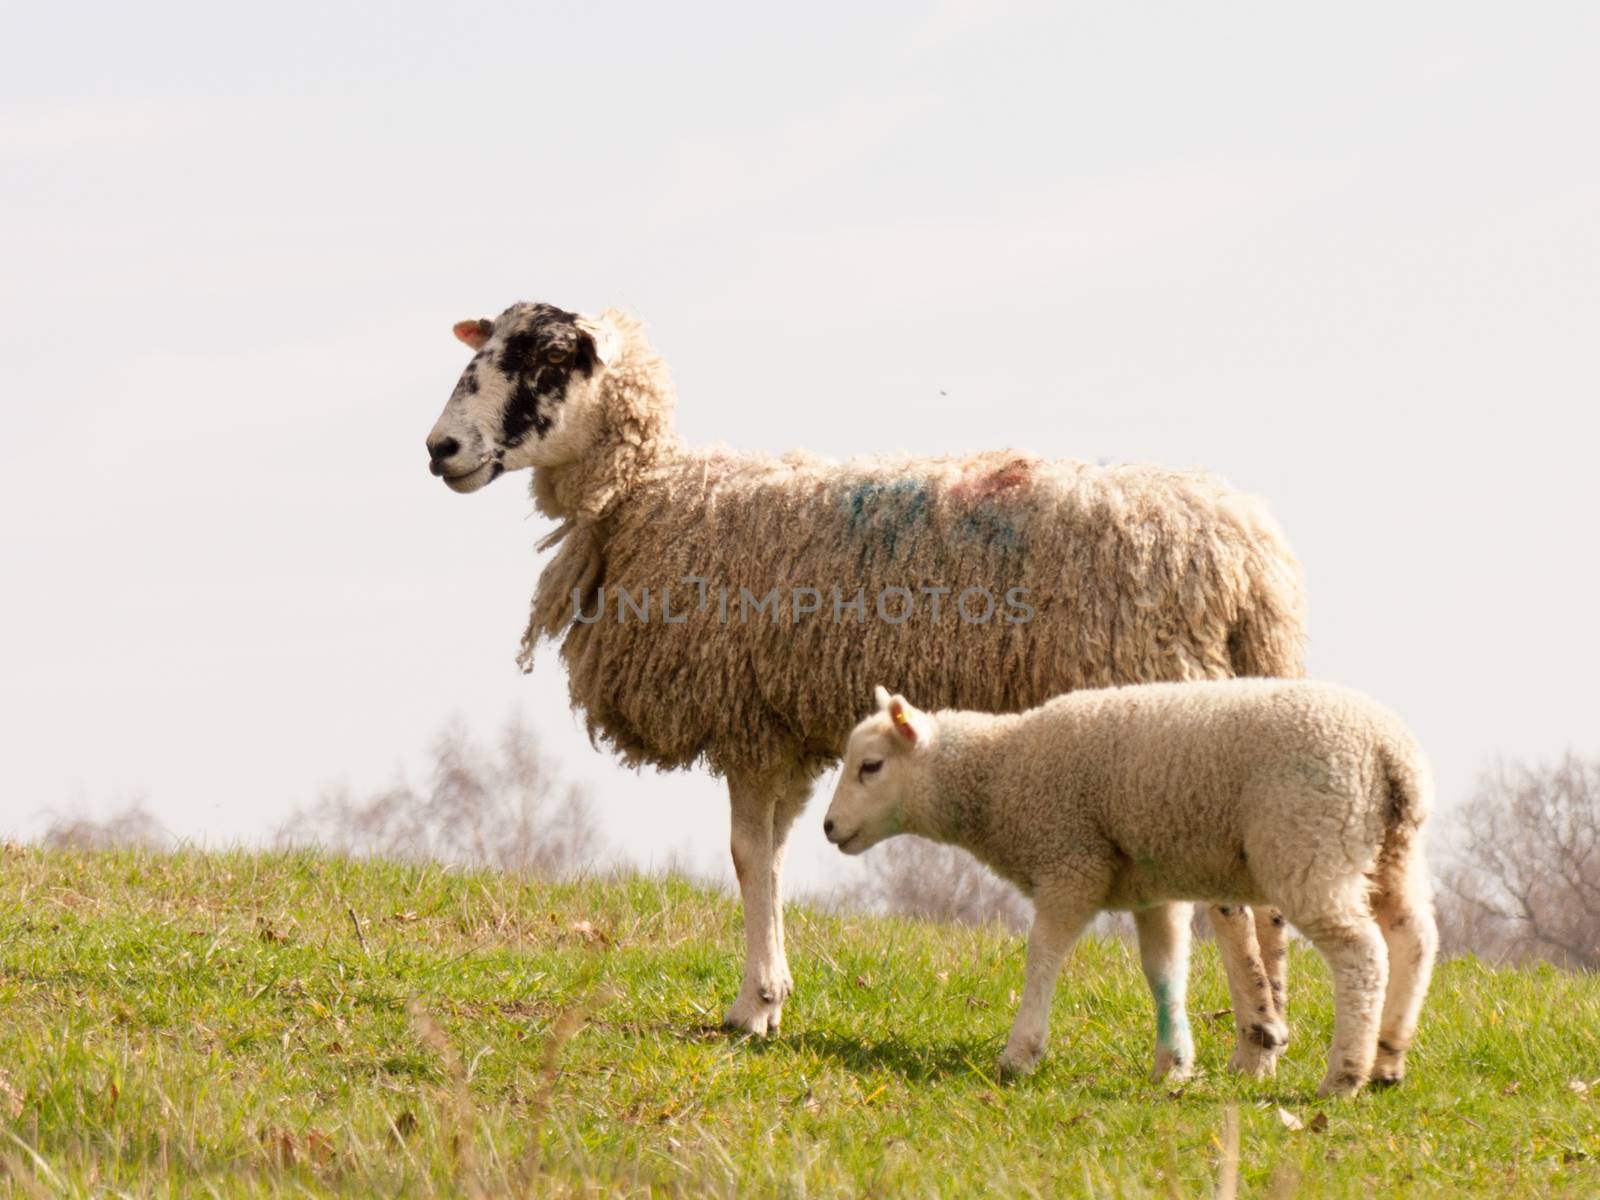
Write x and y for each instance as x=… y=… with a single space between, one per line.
x=520 y=402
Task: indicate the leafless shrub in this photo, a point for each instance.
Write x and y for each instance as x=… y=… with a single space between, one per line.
x=503 y=808
x=911 y=877
x=133 y=826
x=1521 y=877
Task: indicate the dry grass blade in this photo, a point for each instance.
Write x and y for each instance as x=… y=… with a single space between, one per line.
x=356 y=922
x=10 y=1097
x=461 y=1133
x=566 y=1024
x=39 y=1163
x=1228 y=1163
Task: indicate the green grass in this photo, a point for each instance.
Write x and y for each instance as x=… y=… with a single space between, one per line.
x=212 y=1025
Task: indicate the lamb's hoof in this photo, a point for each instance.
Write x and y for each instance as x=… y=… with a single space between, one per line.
x=1340 y=1087
x=1259 y=1047
x=1170 y=1068
x=1389 y=1068
x=1253 y=1062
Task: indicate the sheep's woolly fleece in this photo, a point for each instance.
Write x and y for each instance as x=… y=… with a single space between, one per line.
x=1133 y=573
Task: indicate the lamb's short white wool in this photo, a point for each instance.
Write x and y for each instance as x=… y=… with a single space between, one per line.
x=1304 y=796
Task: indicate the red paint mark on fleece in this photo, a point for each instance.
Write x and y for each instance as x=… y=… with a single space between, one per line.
x=984 y=480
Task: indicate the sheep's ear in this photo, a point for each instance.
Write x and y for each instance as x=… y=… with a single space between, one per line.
x=880 y=696
x=913 y=726
x=474 y=333
x=605 y=339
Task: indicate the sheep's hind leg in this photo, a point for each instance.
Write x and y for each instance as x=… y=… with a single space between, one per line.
x=763 y=810
x=1164 y=954
x=1359 y=962
x=1262 y=1035
x=1057 y=922
x=1406 y=919
x=792 y=797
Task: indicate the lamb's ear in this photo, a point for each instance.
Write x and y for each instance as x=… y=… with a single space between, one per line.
x=880 y=696
x=912 y=724
x=474 y=333
x=605 y=339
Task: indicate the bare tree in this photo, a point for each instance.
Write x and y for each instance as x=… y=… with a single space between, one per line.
x=1522 y=874
x=133 y=826
x=504 y=808
x=911 y=877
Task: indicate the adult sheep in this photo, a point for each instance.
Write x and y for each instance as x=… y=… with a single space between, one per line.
x=729 y=608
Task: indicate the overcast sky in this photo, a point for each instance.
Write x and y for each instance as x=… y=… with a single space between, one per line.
x=1346 y=256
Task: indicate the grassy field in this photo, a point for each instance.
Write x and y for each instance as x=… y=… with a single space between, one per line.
x=240 y=1024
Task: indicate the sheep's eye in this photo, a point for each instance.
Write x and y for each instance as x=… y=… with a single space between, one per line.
x=556 y=354
x=871 y=767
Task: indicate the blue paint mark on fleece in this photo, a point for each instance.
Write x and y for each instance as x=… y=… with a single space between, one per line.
x=991 y=527
x=892 y=510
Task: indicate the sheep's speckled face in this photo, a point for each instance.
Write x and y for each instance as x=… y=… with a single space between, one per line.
x=867 y=803
x=519 y=402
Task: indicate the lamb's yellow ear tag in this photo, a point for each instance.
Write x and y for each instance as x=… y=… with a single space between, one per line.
x=900 y=717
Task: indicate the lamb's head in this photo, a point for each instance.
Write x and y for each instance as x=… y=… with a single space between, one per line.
x=527 y=398
x=881 y=761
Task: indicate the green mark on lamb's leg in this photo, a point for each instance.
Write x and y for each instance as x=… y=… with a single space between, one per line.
x=1164 y=954
x=1172 y=1022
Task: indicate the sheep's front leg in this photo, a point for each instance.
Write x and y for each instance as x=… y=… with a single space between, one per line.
x=1262 y=1033
x=763 y=810
x=1164 y=953
x=1057 y=922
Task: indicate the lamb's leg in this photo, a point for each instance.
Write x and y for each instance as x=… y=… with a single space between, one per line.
x=1057 y=922
x=1164 y=953
x=1406 y=919
x=1262 y=1035
x=1358 y=961
x=763 y=809
x=1272 y=935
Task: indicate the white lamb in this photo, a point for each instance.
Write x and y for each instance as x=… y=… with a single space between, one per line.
x=1301 y=795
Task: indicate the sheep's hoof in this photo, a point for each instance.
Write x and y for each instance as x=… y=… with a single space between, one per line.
x=758 y=1011
x=1018 y=1061
x=1340 y=1087
x=756 y=1024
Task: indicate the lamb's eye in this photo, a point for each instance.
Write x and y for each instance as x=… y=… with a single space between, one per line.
x=556 y=354
x=871 y=767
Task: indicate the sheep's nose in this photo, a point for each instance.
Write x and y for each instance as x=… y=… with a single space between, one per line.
x=439 y=452
x=827 y=827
